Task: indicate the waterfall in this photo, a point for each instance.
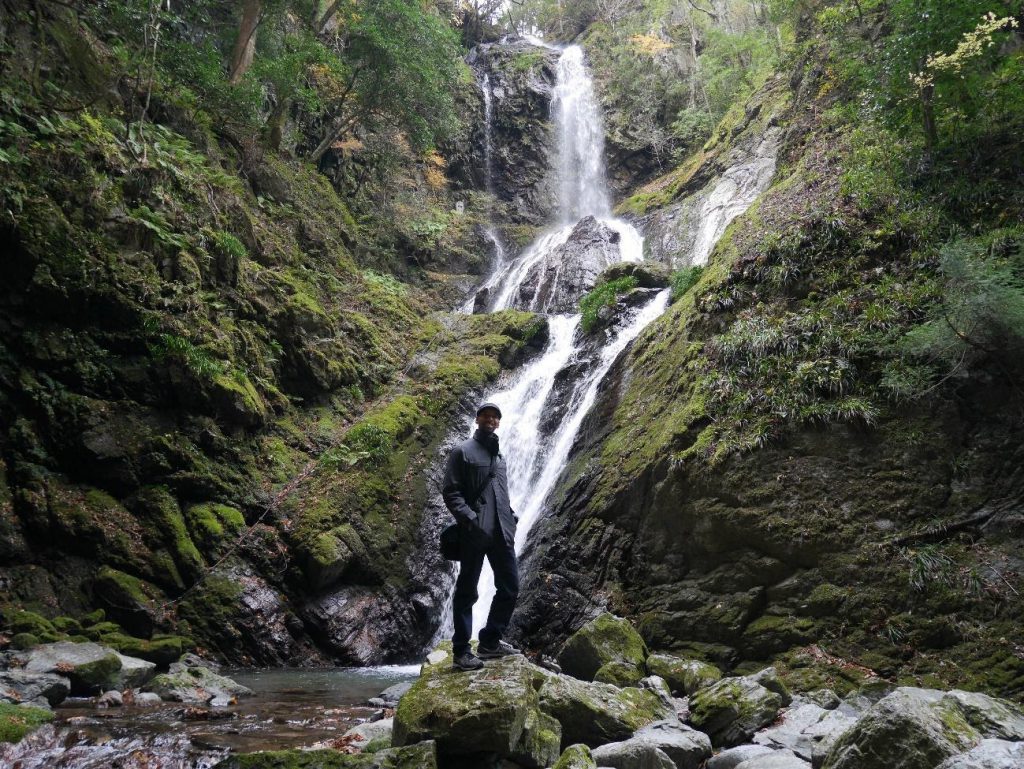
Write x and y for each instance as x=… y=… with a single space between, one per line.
x=490 y=231
x=550 y=276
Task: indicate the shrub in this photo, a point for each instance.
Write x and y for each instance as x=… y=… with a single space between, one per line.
x=603 y=295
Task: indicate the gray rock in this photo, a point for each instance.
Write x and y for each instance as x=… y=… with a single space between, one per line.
x=111 y=699
x=19 y=686
x=88 y=666
x=393 y=694
x=777 y=759
x=196 y=686
x=769 y=679
x=603 y=640
x=731 y=710
x=420 y=756
x=988 y=754
x=823 y=698
x=806 y=730
x=993 y=717
x=147 y=699
x=658 y=685
x=687 y=747
x=632 y=755
x=134 y=673
x=371 y=730
x=733 y=757
x=908 y=729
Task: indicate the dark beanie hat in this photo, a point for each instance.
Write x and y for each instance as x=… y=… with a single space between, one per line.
x=488 y=406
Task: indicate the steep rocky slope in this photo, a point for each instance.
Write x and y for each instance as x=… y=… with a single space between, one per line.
x=220 y=407
x=758 y=480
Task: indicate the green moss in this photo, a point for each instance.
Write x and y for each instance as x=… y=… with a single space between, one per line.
x=24 y=641
x=68 y=625
x=163 y=650
x=95 y=632
x=17 y=721
x=211 y=522
x=619 y=674
x=576 y=757
x=29 y=622
x=210 y=612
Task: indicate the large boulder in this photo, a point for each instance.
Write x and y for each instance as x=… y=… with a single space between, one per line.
x=493 y=711
x=993 y=717
x=733 y=757
x=684 y=676
x=88 y=666
x=807 y=730
x=604 y=640
x=908 y=729
x=421 y=756
x=632 y=755
x=17 y=686
x=777 y=759
x=685 y=748
x=988 y=754
x=556 y=283
x=196 y=686
x=596 y=713
x=134 y=673
x=363 y=734
x=731 y=710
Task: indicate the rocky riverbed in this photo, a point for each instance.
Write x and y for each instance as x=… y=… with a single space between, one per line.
x=607 y=701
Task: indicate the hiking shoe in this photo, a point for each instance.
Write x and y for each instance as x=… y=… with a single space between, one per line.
x=501 y=649
x=467 y=661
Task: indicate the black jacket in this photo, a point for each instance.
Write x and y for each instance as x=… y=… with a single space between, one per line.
x=466 y=476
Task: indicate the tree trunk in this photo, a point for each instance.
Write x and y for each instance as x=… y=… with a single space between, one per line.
x=245 y=45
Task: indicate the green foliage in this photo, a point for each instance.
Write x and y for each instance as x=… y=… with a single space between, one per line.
x=603 y=295
x=980 y=312
x=229 y=245
x=198 y=360
x=685 y=279
x=370 y=441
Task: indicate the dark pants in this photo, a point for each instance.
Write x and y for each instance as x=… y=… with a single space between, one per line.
x=502 y=557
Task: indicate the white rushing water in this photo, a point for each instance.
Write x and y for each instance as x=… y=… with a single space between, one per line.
x=536 y=457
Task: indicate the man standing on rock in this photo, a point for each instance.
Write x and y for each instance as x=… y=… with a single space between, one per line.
x=476 y=493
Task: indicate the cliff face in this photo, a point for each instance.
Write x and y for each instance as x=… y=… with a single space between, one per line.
x=220 y=408
x=752 y=486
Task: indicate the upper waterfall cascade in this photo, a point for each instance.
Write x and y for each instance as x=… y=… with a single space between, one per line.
x=546 y=401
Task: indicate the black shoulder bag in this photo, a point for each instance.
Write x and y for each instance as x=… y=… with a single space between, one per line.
x=451 y=545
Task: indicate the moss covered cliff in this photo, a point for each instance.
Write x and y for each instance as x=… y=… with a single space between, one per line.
x=799 y=461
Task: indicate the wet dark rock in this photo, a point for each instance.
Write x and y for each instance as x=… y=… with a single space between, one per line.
x=522 y=78
x=421 y=756
x=557 y=283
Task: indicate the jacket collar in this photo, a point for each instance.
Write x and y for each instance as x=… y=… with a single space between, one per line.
x=489 y=441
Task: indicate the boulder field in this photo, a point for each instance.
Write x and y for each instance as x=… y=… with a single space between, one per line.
x=515 y=714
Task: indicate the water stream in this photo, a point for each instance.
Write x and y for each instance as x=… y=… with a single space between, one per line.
x=290 y=708
x=536 y=453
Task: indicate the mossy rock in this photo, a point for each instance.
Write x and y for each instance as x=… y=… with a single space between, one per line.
x=908 y=729
x=619 y=673
x=16 y=720
x=93 y=617
x=476 y=712
x=30 y=622
x=211 y=523
x=647 y=274
x=604 y=639
x=596 y=713
x=420 y=756
x=771 y=634
x=100 y=629
x=130 y=601
x=163 y=650
x=68 y=625
x=89 y=666
x=684 y=676
x=576 y=757
x=731 y=710
x=24 y=641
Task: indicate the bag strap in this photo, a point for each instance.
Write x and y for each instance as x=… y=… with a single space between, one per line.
x=490 y=477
